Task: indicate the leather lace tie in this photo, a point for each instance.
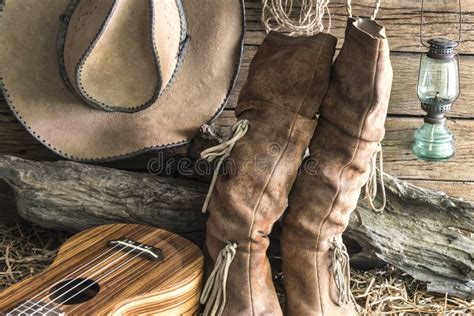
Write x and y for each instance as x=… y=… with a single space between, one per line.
x=371 y=185
x=214 y=292
x=223 y=151
x=341 y=271
x=374 y=14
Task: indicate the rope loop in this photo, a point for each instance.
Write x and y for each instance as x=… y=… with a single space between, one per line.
x=303 y=17
x=374 y=14
x=371 y=185
x=214 y=292
x=223 y=151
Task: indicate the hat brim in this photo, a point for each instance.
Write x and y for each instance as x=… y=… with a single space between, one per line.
x=51 y=112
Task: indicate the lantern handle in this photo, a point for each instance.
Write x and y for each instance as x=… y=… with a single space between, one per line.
x=421 y=25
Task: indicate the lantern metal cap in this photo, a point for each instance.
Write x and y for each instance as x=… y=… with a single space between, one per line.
x=441 y=48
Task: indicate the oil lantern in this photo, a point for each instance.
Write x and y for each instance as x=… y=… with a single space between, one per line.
x=438 y=88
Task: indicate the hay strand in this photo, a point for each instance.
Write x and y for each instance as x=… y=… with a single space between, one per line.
x=25 y=251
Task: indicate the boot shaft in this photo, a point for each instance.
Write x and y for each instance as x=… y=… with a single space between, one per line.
x=357 y=100
x=290 y=72
x=286 y=85
x=350 y=127
x=351 y=124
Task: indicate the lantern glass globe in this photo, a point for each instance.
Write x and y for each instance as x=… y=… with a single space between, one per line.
x=438 y=82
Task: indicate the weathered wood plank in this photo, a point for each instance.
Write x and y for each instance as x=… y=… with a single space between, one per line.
x=399 y=159
x=400 y=17
x=404 y=100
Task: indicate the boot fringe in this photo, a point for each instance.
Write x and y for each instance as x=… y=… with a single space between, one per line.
x=223 y=151
x=341 y=271
x=371 y=185
x=214 y=293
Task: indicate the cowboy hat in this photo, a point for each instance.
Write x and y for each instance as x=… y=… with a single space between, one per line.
x=98 y=80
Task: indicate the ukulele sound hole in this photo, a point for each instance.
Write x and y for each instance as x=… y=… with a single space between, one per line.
x=75 y=291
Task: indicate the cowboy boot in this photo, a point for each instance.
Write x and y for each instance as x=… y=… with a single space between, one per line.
x=287 y=81
x=350 y=127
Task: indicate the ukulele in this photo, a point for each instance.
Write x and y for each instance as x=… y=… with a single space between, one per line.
x=118 y=269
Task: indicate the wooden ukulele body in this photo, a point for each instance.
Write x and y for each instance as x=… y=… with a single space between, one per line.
x=119 y=282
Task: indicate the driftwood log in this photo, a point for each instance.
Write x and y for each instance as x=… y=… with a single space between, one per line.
x=425 y=233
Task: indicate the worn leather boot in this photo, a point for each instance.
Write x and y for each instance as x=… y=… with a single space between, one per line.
x=350 y=127
x=287 y=81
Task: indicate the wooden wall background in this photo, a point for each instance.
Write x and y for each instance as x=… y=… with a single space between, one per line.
x=401 y=18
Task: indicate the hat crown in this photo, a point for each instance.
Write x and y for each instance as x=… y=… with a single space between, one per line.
x=120 y=55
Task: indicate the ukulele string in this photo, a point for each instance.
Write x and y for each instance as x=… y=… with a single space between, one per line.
x=101 y=280
x=61 y=280
x=93 y=275
x=75 y=308
x=84 y=276
x=64 y=279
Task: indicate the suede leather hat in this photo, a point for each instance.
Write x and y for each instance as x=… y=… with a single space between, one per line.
x=98 y=80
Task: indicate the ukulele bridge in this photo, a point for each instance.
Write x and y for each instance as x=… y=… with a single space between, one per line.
x=134 y=247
